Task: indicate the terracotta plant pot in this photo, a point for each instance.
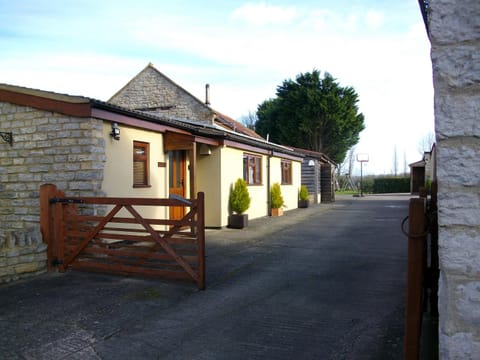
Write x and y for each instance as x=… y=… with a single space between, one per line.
x=277 y=212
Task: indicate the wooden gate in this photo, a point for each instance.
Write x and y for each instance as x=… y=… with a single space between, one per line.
x=123 y=241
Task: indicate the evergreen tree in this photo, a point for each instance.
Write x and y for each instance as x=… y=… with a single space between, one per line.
x=313 y=113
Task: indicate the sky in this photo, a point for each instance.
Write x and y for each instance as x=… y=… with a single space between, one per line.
x=243 y=49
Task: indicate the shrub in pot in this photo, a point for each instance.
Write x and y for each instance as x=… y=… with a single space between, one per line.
x=276 y=200
x=239 y=202
x=303 y=197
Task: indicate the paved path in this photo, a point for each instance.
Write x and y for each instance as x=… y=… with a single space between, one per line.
x=321 y=283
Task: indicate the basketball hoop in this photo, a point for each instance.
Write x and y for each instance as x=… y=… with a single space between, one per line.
x=361 y=158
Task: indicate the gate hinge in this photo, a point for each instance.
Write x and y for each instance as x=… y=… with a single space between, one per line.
x=66 y=201
x=56 y=262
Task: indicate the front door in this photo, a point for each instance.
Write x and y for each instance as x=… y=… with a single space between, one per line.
x=176 y=165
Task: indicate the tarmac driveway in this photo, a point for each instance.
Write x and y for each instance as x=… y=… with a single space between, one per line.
x=327 y=282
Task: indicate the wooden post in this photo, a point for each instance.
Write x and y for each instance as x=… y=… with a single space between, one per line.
x=47 y=191
x=193 y=171
x=60 y=236
x=422 y=192
x=434 y=267
x=415 y=272
x=201 y=239
x=51 y=224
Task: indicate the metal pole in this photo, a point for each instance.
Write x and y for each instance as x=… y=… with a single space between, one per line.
x=361 y=178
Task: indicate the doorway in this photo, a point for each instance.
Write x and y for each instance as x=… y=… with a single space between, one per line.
x=176 y=176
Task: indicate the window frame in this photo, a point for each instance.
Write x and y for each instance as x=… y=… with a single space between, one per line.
x=145 y=158
x=254 y=162
x=286 y=171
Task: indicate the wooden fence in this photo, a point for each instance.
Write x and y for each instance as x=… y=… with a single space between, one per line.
x=121 y=240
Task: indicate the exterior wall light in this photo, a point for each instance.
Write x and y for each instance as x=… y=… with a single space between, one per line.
x=205 y=149
x=311 y=163
x=115 y=131
x=7 y=137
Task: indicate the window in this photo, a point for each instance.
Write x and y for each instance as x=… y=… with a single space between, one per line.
x=286 y=172
x=140 y=164
x=252 y=169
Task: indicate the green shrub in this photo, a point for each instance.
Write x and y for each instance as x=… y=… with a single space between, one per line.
x=428 y=184
x=276 y=198
x=239 y=197
x=303 y=193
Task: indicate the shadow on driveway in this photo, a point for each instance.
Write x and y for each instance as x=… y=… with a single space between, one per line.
x=325 y=282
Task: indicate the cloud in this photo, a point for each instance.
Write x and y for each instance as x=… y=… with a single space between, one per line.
x=93 y=75
x=244 y=56
x=374 y=19
x=264 y=14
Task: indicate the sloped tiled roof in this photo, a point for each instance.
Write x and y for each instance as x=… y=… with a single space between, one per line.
x=231 y=124
x=314 y=154
x=83 y=107
x=420 y=163
x=45 y=94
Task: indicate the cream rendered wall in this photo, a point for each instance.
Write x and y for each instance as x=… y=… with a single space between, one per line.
x=118 y=172
x=216 y=173
x=289 y=192
x=232 y=169
x=293 y=189
x=209 y=181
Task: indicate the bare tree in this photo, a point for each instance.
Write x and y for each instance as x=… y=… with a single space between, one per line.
x=425 y=143
x=346 y=167
x=249 y=120
x=345 y=171
x=405 y=165
x=351 y=159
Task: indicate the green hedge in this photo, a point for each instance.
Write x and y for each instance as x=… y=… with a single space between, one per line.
x=391 y=185
x=367 y=184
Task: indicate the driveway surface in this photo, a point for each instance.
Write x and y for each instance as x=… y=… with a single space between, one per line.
x=327 y=282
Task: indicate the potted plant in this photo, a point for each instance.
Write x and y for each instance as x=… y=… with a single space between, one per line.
x=303 y=197
x=239 y=202
x=276 y=200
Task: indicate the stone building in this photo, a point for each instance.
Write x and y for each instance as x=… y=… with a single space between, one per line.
x=87 y=147
x=57 y=144
x=152 y=92
x=454 y=30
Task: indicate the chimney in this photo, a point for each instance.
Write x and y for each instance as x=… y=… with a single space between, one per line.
x=207 y=94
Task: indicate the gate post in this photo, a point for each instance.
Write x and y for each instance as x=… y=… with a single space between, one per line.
x=201 y=239
x=47 y=191
x=415 y=273
x=434 y=251
x=59 y=236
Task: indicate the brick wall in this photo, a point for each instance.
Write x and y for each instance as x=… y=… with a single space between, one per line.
x=47 y=148
x=455 y=37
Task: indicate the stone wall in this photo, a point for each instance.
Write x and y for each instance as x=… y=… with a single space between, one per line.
x=47 y=148
x=152 y=92
x=455 y=37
